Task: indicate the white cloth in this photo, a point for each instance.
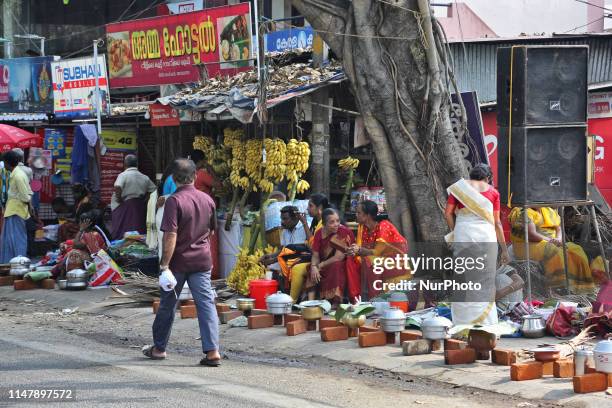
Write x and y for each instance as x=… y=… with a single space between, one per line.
x=152 y=229
x=159 y=216
x=133 y=184
x=470 y=228
x=91 y=134
x=295 y=236
x=167 y=281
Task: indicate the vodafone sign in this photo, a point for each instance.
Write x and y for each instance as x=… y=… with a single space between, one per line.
x=4 y=81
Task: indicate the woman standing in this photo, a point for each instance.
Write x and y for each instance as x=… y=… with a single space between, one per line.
x=374 y=239
x=328 y=263
x=472 y=214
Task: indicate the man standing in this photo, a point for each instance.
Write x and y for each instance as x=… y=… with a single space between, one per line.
x=17 y=211
x=27 y=170
x=189 y=219
x=129 y=199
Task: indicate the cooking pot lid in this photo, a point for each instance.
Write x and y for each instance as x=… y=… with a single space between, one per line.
x=398 y=297
x=279 y=297
x=393 y=313
x=20 y=260
x=437 y=321
x=604 y=346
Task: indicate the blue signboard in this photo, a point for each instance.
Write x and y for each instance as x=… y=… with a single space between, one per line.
x=25 y=85
x=289 y=39
x=55 y=140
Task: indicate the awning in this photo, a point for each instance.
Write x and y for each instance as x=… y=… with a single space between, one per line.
x=14 y=117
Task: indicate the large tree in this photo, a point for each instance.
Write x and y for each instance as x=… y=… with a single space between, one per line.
x=396 y=58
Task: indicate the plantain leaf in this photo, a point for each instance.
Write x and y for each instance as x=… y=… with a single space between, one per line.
x=362 y=310
x=341 y=311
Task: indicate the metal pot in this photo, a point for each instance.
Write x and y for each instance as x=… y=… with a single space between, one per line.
x=20 y=265
x=62 y=283
x=393 y=320
x=533 y=326
x=279 y=303
x=77 y=275
x=312 y=313
x=353 y=322
x=436 y=328
x=603 y=356
x=583 y=358
x=245 y=304
x=76 y=285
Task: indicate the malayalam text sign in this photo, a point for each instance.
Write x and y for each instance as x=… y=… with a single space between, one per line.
x=168 y=49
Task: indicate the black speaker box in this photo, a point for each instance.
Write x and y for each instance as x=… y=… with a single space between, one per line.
x=548 y=165
x=549 y=85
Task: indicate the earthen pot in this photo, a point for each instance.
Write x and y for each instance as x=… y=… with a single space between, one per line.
x=483 y=342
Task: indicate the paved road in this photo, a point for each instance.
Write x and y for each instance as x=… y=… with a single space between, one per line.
x=39 y=355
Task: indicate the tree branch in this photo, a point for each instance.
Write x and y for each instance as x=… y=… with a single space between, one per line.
x=329 y=16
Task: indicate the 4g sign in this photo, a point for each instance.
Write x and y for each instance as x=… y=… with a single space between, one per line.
x=119 y=140
x=166 y=50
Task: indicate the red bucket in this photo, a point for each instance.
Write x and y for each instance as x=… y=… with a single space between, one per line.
x=259 y=289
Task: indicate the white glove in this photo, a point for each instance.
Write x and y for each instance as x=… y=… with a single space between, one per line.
x=167 y=281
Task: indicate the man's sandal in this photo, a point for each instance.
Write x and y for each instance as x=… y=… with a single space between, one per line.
x=148 y=352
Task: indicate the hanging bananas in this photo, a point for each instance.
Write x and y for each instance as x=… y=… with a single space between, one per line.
x=348 y=163
x=276 y=158
x=298 y=155
x=246 y=269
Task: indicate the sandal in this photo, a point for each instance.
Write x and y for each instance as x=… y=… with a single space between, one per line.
x=210 y=363
x=148 y=352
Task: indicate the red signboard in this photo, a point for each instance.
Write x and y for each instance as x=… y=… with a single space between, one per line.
x=168 y=49
x=162 y=115
x=111 y=165
x=4 y=83
x=601 y=128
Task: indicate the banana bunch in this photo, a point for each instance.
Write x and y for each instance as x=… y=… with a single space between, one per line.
x=246 y=269
x=269 y=249
x=348 y=163
x=203 y=143
x=276 y=158
x=233 y=143
x=298 y=155
x=253 y=161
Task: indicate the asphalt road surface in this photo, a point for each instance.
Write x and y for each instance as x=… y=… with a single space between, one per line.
x=86 y=354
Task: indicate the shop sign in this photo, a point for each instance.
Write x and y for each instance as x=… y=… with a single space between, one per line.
x=168 y=49
x=74 y=85
x=55 y=140
x=119 y=140
x=163 y=115
x=25 y=85
x=471 y=140
x=185 y=6
x=600 y=105
x=289 y=39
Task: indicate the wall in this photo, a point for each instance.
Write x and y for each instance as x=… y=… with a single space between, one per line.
x=511 y=18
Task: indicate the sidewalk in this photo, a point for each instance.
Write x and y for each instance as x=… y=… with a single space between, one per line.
x=482 y=375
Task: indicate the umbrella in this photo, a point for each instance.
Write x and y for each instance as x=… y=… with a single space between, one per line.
x=12 y=137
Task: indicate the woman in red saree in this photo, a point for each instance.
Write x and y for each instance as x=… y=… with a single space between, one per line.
x=328 y=262
x=374 y=239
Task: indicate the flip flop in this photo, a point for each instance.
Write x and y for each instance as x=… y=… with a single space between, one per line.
x=148 y=352
x=210 y=363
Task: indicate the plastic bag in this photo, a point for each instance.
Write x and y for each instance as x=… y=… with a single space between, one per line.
x=106 y=270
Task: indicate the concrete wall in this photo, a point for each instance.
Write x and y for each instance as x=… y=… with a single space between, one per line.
x=511 y=18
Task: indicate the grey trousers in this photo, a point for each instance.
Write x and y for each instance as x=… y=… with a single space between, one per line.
x=204 y=298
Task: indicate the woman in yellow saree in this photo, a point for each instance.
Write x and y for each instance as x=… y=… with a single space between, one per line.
x=545 y=246
x=472 y=214
x=295 y=263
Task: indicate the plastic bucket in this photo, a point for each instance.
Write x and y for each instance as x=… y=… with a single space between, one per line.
x=259 y=289
x=403 y=305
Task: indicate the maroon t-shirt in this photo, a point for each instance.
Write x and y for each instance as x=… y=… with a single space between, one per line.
x=190 y=213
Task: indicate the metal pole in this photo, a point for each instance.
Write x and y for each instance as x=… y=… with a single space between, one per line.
x=526 y=227
x=97 y=92
x=601 y=248
x=564 y=247
x=255 y=3
x=42 y=46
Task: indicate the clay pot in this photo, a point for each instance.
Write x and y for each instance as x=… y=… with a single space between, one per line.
x=353 y=322
x=546 y=354
x=483 y=342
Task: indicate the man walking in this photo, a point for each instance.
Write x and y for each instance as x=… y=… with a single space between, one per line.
x=129 y=199
x=17 y=211
x=189 y=219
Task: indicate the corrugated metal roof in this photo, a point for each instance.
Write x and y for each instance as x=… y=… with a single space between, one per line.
x=476 y=61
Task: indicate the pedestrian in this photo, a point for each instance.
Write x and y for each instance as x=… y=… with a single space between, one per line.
x=189 y=219
x=129 y=201
x=17 y=211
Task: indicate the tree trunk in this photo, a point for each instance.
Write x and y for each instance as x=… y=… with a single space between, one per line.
x=400 y=81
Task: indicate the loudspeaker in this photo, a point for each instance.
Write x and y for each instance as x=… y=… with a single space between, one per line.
x=549 y=85
x=548 y=164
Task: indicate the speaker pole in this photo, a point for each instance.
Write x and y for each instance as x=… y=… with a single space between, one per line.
x=526 y=228
x=564 y=246
x=601 y=248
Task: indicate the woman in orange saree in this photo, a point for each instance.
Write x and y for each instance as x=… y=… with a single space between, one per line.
x=374 y=239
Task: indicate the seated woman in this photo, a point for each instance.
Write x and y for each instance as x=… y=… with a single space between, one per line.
x=89 y=240
x=374 y=239
x=544 y=231
x=294 y=260
x=328 y=263
x=68 y=217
